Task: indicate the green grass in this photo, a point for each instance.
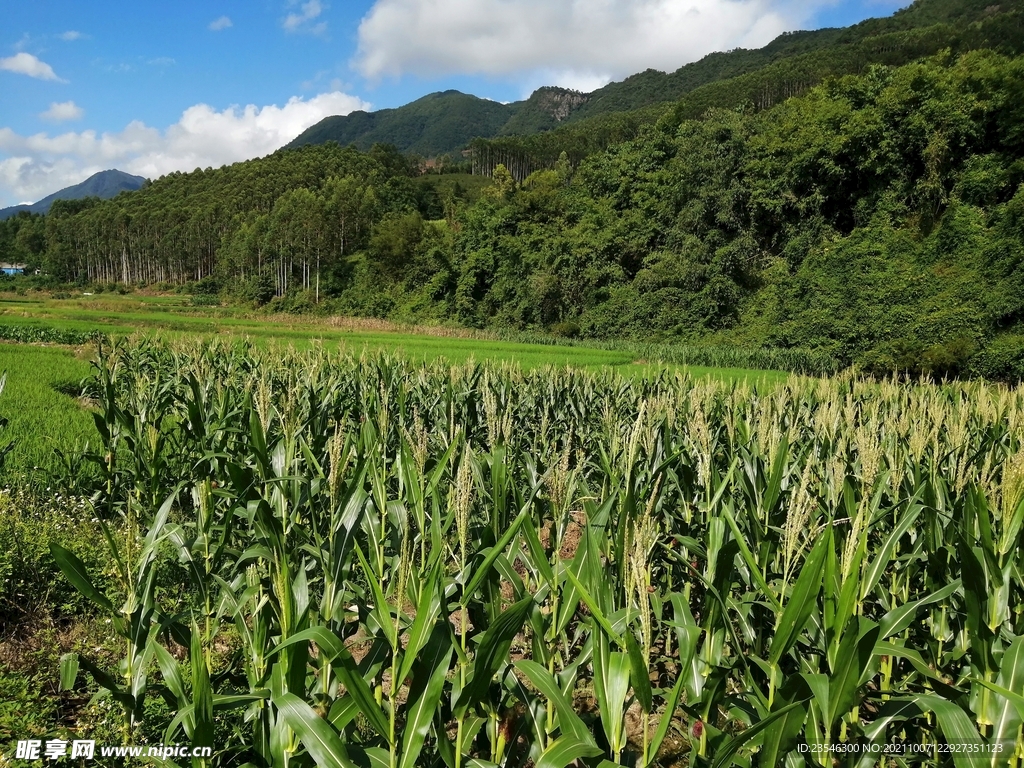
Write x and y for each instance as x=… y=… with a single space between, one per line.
x=40 y=417
x=172 y=316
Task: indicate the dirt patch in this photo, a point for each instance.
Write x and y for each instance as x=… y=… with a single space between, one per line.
x=570 y=541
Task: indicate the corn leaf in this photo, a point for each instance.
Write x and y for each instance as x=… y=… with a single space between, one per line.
x=425 y=695
x=316 y=735
x=492 y=652
x=640 y=674
x=68 y=671
x=75 y=572
x=802 y=600
x=568 y=720
x=564 y=750
x=855 y=653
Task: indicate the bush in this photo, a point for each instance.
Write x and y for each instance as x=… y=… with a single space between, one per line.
x=208 y=286
x=1002 y=359
x=257 y=289
x=294 y=303
x=948 y=359
x=566 y=330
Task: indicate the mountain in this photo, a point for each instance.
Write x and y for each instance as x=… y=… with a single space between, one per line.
x=446 y=122
x=104 y=185
x=437 y=123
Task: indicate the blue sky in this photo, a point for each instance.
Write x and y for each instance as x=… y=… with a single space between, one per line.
x=154 y=87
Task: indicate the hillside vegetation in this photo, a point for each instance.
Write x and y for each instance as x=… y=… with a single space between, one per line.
x=553 y=120
x=877 y=218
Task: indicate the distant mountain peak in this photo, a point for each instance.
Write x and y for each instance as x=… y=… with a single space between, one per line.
x=105 y=185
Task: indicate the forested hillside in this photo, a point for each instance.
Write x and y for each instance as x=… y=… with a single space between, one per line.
x=444 y=123
x=878 y=217
x=435 y=124
x=792 y=71
x=530 y=135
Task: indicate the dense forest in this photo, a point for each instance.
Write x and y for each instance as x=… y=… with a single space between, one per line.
x=878 y=217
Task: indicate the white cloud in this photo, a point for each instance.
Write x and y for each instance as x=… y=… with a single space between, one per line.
x=302 y=21
x=62 y=111
x=218 y=24
x=70 y=35
x=27 y=64
x=37 y=165
x=581 y=42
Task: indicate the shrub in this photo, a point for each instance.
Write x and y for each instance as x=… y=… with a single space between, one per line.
x=1002 y=359
x=208 y=286
x=566 y=330
x=294 y=303
x=257 y=289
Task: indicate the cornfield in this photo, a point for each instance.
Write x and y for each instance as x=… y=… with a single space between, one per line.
x=361 y=561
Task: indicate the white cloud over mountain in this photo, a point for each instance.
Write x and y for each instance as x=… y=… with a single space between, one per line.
x=27 y=64
x=34 y=166
x=574 y=41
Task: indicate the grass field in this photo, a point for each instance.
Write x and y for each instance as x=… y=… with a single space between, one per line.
x=174 y=316
x=40 y=416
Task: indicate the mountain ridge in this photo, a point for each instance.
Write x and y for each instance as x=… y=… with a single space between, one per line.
x=446 y=122
x=104 y=185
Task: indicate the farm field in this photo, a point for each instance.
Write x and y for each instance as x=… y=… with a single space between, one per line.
x=320 y=558
x=673 y=419
x=40 y=415
x=174 y=317
x=47 y=418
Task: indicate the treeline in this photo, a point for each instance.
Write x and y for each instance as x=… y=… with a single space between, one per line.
x=271 y=222
x=23 y=239
x=878 y=219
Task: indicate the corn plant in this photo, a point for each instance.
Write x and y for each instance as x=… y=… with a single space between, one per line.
x=396 y=564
